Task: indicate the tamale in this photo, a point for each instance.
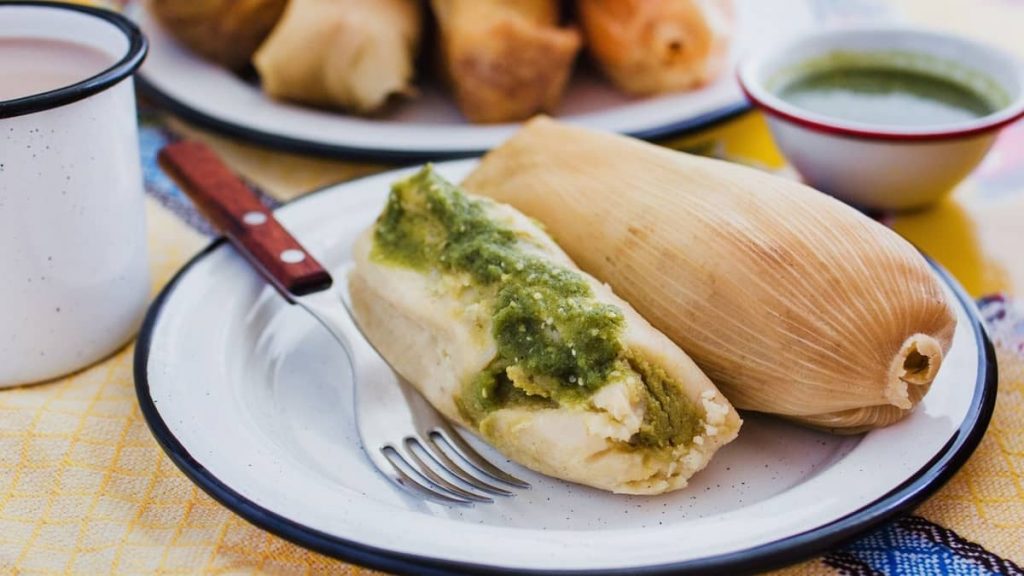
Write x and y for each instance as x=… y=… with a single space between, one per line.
x=227 y=32
x=790 y=301
x=349 y=54
x=474 y=305
x=652 y=46
x=505 y=60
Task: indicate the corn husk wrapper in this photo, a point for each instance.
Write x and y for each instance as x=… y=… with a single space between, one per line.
x=505 y=60
x=791 y=302
x=347 y=54
x=227 y=32
x=652 y=46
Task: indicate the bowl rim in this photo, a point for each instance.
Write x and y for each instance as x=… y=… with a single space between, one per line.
x=749 y=76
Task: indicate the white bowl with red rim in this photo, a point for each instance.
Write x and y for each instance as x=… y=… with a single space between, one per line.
x=876 y=166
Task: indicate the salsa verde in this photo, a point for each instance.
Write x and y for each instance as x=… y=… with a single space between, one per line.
x=881 y=94
x=546 y=322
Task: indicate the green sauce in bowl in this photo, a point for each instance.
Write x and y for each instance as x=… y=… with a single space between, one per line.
x=889 y=89
x=889 y=97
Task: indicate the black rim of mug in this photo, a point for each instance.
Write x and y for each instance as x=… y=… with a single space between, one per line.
x=120 y=70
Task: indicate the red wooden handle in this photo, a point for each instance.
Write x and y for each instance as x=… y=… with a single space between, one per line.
x=232 y=207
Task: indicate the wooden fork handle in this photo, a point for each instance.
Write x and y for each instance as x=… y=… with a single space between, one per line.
x=233 y=208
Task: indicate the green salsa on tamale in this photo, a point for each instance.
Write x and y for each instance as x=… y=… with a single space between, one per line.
x=556 y=343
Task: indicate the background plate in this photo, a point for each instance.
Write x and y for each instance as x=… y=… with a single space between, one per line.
x=431 y=127
x=252 y=399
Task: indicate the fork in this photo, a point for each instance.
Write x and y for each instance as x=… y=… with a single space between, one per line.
x=405 y=438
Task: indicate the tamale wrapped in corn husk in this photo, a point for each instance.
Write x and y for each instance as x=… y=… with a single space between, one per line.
x=227 y=32
x=652 y=46
x=792 y=302
x=348 y=54
x=505 y=60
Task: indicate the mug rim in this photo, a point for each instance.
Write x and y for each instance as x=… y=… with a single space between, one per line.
x=124 y=67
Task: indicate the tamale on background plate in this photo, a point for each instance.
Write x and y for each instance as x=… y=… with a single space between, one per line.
x=253 y=401
x=430 y=126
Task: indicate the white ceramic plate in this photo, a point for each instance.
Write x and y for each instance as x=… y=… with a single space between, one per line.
x=431 y=126
x=252 y=399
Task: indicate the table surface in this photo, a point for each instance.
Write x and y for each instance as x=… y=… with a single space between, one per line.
x=84 y=488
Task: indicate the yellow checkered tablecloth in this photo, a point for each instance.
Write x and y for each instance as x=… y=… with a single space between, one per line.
x=85 y=489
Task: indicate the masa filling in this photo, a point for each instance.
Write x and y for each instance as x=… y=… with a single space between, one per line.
x=550 y=331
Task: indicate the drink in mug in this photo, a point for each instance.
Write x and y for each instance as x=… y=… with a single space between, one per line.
x=74 y=278
x=35 y=65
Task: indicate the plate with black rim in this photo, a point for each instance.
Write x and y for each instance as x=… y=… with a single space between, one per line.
x=253 y=401
x=430 y=126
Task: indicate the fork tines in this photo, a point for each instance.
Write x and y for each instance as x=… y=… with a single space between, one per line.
x=443 y=467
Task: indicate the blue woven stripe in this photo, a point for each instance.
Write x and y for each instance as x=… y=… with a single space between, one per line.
x=152 y=137
x=899 y=552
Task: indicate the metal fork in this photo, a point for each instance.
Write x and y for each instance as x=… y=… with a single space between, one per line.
x=404 y=436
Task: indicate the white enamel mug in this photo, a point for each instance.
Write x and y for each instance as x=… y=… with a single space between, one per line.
x=74 y=277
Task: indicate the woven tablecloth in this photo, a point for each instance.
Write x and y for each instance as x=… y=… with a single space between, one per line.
x=85 y=489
